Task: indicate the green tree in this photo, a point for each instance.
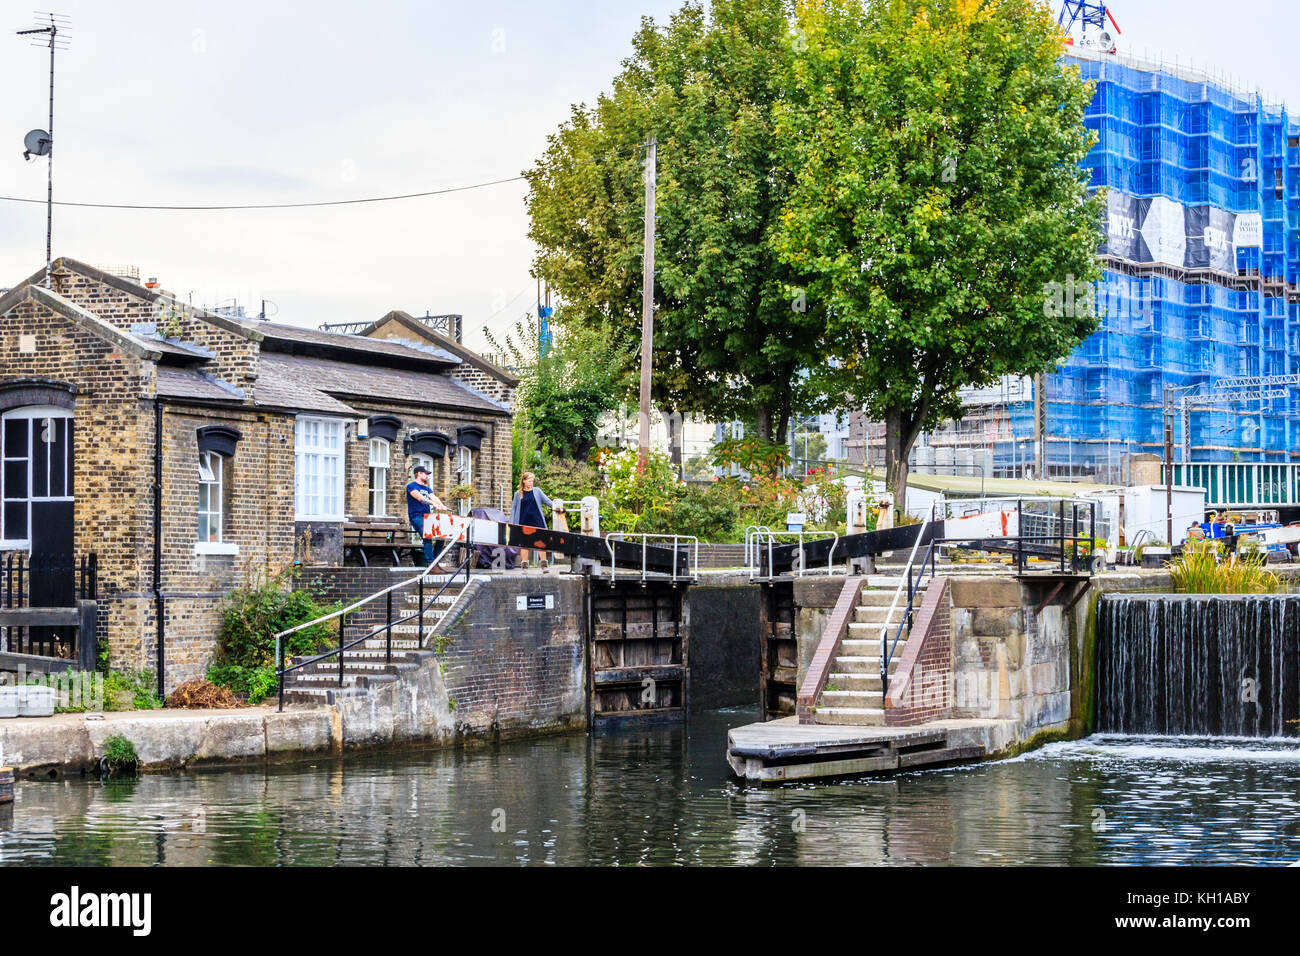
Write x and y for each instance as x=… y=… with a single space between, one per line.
x=937 y=196
x=564 y=389
x=731 y=330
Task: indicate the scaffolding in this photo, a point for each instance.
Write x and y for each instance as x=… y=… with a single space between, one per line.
x=1201 y=265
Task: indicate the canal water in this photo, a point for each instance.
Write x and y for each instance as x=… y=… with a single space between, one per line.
x=663 y=796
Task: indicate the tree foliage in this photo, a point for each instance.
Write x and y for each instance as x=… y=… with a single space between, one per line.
x=937 y=193
x=727 y=340
x=565 y=388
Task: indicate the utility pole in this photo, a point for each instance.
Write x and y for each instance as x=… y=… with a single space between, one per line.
x=647 y=303
x=1169 y=466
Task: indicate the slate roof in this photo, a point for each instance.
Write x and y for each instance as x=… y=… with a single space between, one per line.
x=362 y=381
x=191 y=383
x=292 y=338
x=440 y=343
x=283 y=386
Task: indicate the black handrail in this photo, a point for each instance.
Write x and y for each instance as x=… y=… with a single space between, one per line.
x=906 y=619
x=387 y=626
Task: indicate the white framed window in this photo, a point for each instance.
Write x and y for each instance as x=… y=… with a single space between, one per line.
x=380 y=456
x=428 y=462
x=465 y=475
x=211 y=486
x=318 y=469
x=35 y=465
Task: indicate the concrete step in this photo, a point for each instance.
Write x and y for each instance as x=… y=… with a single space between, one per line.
x=860 y=682
x=300 y=679
x=851 y=647
x=856 y=716
x=862 y=664
x=873 y=597
x=380 y=643
x=877 y=615
x=369 y=654
x=852 y=698
x=360 y=680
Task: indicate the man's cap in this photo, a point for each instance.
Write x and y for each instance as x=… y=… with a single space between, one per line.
x=421 y=468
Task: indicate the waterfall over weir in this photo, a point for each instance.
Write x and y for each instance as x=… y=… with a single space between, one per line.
x=1212 y=664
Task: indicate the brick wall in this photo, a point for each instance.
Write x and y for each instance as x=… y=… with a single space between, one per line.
x=491 y=466
x=921 y=689
x=485 y=384
x=112 y=441
x=516 y=670
x=258 y=520
x=122 y=304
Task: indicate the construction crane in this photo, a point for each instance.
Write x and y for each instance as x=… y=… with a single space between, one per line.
x=1089 y=15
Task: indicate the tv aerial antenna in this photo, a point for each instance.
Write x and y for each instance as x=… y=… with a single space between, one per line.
x=54 y=31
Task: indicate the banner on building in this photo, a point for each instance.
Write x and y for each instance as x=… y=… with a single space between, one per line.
x=1160 y=230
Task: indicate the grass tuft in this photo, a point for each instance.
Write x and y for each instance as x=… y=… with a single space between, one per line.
x=1202 y=568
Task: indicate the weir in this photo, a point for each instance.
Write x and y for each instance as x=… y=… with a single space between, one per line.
x=1220 y=665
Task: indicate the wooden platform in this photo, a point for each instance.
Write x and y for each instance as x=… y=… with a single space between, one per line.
x=776 y=751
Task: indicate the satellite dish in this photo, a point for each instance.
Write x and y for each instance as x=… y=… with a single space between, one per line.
x=36 y=143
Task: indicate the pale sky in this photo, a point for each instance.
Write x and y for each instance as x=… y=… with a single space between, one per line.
x=174 y=102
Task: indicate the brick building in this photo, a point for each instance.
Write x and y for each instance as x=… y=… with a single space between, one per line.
x=190 y=450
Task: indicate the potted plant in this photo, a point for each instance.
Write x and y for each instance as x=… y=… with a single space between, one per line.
x=463 y=495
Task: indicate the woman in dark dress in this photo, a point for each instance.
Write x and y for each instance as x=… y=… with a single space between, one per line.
x=526 y=509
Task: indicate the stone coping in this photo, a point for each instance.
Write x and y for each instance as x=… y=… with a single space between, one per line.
x=168 y=739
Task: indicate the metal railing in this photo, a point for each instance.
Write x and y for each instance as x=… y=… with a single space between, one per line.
x=887 y=651
x=766 y=538
x=688 y=542
x=751 y=546
x=62 y=632
x=1041 y=529
x=19 y=569
x=387 y=627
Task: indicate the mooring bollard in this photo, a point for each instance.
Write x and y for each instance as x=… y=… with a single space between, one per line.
x=6 y=785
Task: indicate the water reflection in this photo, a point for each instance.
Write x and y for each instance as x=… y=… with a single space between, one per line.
x=663 y=796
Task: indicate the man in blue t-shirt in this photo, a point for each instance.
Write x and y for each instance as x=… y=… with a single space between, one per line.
x=420 y=500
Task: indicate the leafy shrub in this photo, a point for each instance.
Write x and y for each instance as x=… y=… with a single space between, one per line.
x=630 y=488
x=119 y=756
x=131 y=690
x=250 y=618
x=569 y=480
x=710 y=513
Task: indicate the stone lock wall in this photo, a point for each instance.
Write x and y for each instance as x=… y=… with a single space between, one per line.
x=514 y=671
x=1009 y=662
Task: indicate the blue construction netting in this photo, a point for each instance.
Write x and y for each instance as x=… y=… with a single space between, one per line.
x=1204 y=198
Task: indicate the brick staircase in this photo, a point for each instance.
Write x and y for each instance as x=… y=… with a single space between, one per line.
x=366 y=665
x=853 y=694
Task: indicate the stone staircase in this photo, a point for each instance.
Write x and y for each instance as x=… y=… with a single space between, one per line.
x=366 y=666
x=853 y=694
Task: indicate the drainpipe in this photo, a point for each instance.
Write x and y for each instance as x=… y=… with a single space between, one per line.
x=159 y=606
